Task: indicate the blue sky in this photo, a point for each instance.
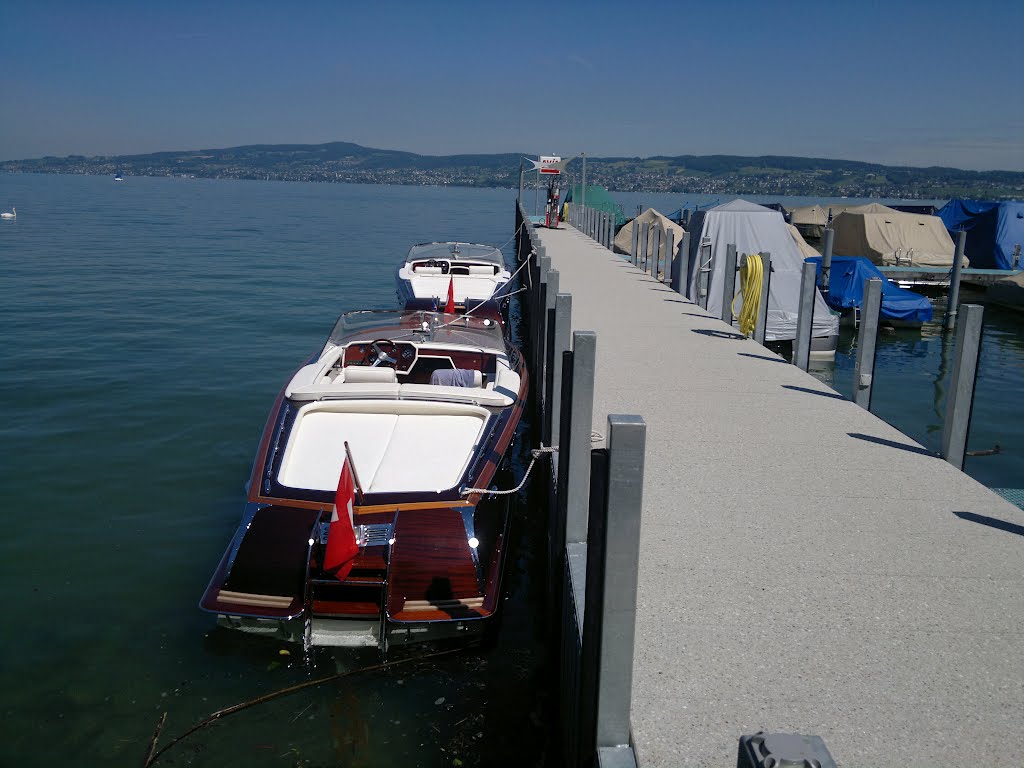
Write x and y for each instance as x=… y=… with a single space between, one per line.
x=908 y=83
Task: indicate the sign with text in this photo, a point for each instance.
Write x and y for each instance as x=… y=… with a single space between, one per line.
x=550 y=165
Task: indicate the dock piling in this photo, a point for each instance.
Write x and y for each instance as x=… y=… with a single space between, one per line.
x=619 y=569
x=805 y=318
x=728 y=283
x=670 y=249
x=562 y=340
x=577 y=490
x=954 y=284
x=634 y=255
x=826 y=259
x=655 y=250
x=867 y=343
x=960 y=399
x=547 y=383
x=762 y=308
x=645 y=234
x=680 y=272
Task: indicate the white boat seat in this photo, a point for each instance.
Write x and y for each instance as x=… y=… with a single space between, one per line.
x=478 y=270
x=428 y=270
x=364 y=374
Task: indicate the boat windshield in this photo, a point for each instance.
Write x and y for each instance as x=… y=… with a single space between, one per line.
x=418 y=327
x=456 y=252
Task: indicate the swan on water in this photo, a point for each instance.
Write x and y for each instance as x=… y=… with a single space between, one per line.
x=12 y=215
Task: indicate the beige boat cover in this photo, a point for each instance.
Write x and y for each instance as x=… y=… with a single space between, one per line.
x=802 y=244
x=892 y=238
x=811 y=219
x=624 y=240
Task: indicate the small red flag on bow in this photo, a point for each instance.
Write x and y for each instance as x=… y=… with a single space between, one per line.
x=341 y=535
x=450 y=306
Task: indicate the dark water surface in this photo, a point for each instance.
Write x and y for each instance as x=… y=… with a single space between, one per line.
x=147 y=327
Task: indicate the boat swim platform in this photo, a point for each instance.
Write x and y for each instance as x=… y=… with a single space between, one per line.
x=804 y=566
x=943 y=275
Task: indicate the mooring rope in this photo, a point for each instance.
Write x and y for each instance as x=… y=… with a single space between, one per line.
x=151 y=756
x=536 y=453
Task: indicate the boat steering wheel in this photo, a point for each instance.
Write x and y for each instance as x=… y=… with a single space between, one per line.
x=377 y=348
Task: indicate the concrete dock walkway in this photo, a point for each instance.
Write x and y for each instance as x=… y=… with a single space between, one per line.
x=804 y=566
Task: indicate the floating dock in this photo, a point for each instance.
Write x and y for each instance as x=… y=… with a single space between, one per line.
x=804 y=567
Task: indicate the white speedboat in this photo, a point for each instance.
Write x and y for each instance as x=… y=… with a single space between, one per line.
x=471 y=272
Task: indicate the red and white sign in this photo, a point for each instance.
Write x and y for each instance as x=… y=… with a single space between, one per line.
x=550 y=165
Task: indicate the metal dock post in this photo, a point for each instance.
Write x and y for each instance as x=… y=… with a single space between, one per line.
x=618 y=571
x=960 y=399
x=581 y=417
x=680 y=273
x=949 y=321
x=805 y=320
x=867 y=343
x=670 y=249
x=645 y=232
x=826 y=259
x=728 y=283
x=546 y=383
x=562 y=342
x=761 y=327
x=634 y=255
x=655 y=250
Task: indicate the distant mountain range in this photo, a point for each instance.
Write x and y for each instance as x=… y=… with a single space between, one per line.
x=708 y=174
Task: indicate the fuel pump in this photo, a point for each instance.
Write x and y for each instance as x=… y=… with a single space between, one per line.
x=551 y=211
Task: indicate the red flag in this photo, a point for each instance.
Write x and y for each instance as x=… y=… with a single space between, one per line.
x=341 y=535
x=450 y=306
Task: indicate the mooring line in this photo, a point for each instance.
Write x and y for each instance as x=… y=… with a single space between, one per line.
x=152 y=757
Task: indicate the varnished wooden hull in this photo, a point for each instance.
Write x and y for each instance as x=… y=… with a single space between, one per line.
x=436 y=573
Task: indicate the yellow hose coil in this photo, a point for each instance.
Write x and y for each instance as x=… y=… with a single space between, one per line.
x=751 y=275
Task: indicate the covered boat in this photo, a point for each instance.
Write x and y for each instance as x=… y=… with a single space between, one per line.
x=892 y=238
x=811 y=220
x=995 y=231
x=752 y=229
x=900 y=307
x=623 y=242
x=473 y=272
x=421 y=406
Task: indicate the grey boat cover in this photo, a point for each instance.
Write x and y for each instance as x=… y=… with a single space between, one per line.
x=892 y=238
x=624 y=239
x=753 y=228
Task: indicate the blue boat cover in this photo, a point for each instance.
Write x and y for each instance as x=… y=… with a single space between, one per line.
x=846 y=290
x=993 y=230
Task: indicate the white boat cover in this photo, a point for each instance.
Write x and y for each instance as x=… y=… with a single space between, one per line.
x=396 y=446
x=879 y=233
x=753 y=228
x=624 y=239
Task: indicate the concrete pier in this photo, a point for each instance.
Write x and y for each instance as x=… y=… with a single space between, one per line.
x=804 y=566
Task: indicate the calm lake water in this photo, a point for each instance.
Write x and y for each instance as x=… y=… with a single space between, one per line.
x=148 y=326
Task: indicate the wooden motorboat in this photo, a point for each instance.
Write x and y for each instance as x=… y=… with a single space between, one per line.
x=470 y=272
x=424 y=404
